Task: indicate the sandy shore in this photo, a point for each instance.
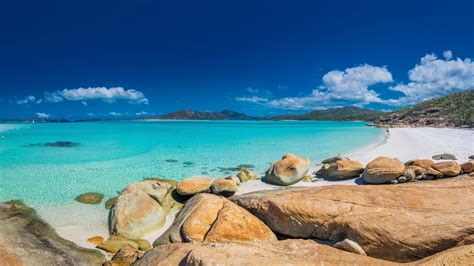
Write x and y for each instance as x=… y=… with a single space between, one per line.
x=403 y=143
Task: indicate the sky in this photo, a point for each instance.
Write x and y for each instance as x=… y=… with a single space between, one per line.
x=117 y=59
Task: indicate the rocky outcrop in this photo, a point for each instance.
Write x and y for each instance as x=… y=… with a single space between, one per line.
x=390 y=222
x=287 y=252
x=25 y=239
x=209 y=218
x=194 y=185
x=382 y=170
x=289 y=170
x=141 y=208
x=224 y=187
x=341 y=169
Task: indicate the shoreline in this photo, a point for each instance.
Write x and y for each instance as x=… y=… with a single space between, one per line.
x=398 y=142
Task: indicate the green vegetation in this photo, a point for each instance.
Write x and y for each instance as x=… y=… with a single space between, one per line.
x=350 y=113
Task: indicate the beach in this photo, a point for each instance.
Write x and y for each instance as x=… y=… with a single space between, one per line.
x=402 y=143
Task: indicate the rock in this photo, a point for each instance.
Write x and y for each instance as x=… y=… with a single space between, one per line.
x=413 y=172
x=434 y=173
x=25 y=239
x=194 y=185
x=389 y=222
x=235 y=178
x=471 y=157
x=383 y=169
x=209 y=218
x=158 y=190
x=444 y=156
x=135 y=214
x=341 y=169
x=447 y=168
x=463 y=255
x=90 y=198
x=127 y=255
x=334 y=159
x=468 y=167
x=289 y=170
x=402 y=179
x=286 y=252
x=471 y=174
x=143 y=245
x=245 y=175
x=95 y=240
x=350 y=246
x=110 y=202
x=116 y=243
x=423 y=163
x=224 y=187
x=307 y=178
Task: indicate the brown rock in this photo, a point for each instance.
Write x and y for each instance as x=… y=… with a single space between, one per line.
x=389 y=222
x=224 y=187
x=287 y=252
x=194 y=185
x=289 y=170
x=245 y=175
x=143 y=245
x=456 y=256
x=127 y=255
x=342 y=169
x=209 y=218
x=116 y=243
x=90 y=198
x=95 y=240
x=447 y=168
x=110 y=202
x=382 y=170
x=468 y=166
x=423 y=163
x=433 y=172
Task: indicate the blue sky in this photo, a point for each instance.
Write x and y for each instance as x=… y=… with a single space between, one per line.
x=78 y=59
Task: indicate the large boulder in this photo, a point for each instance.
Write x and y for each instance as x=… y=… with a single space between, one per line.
x=194 y=185
x=463 y=255
x=423 y=163
x=209 y=218
x=447 y=168
x=382 y=170
x=468 y=167
x=224 y=187
x=389 y=222
x=334 y=159
x=25 y=239
x=287 y=252
x=289 y=170
x=341 y=169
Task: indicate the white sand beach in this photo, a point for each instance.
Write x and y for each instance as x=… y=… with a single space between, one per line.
x=403 y=143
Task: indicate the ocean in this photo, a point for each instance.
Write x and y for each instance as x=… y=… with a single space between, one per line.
x=47 y=164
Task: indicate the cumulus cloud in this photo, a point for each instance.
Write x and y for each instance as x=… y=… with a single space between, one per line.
x=42 y=115
x=108 y=95
x=141 y=113
x=252 y=99
x=30 y=99
x=434 y=77
x=115 y=114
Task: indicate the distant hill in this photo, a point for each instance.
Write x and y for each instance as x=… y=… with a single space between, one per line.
x=454 y=110
x=350 y=113
x=196 y=115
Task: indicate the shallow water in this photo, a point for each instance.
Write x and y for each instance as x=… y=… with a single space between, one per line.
x=106 y=156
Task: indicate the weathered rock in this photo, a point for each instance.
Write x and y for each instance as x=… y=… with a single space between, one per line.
x=95 y=240
x=468 y=167
x=143 y=245
x=463 y=255
x=402 y=179
x=289 y=170
x=235 y=178
x=341 y=169
x=447 y=168
x=25 y=239
x=90 y=198
x=471 y=157
x=224 y=187
x=245 y=175
x=110 y=202
x=127 y=255
x=135 y=214
x=444 y=156
x=413 y=172
x=390 y=222
x=115 y=243
x=209 y=218
x=350 y=246
x=382 y=170
x=334 y=159
x=434 y=173
x=287 y=252
x=307 y=178
x=423 y=163
x=194 y=185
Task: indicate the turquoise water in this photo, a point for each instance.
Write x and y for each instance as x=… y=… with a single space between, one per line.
x=111 y=155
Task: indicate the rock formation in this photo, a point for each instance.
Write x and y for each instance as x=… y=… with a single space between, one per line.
x=289 y=170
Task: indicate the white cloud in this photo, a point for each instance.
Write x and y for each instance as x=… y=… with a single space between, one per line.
x=90 y=114
x=96 y=93
x=435 y=77
x=252 y=99
x=115 y=114
x=141 y=113
x=42 y=115
x=84 y=103
x=28 y=100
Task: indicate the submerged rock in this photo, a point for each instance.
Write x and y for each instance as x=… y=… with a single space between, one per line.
x=289 y=170
x=194 y=185
x=90 y=198
x=389 y=222
x=27 y=240
x=61 y=144
x=383 y=169
x=209 y=218
x=245 y=175
x=341 y=169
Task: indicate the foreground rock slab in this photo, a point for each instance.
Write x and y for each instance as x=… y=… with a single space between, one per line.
x=389 y=222
x=27 y=240
x=287 y=252
x=289 y=170
x=210 y=218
